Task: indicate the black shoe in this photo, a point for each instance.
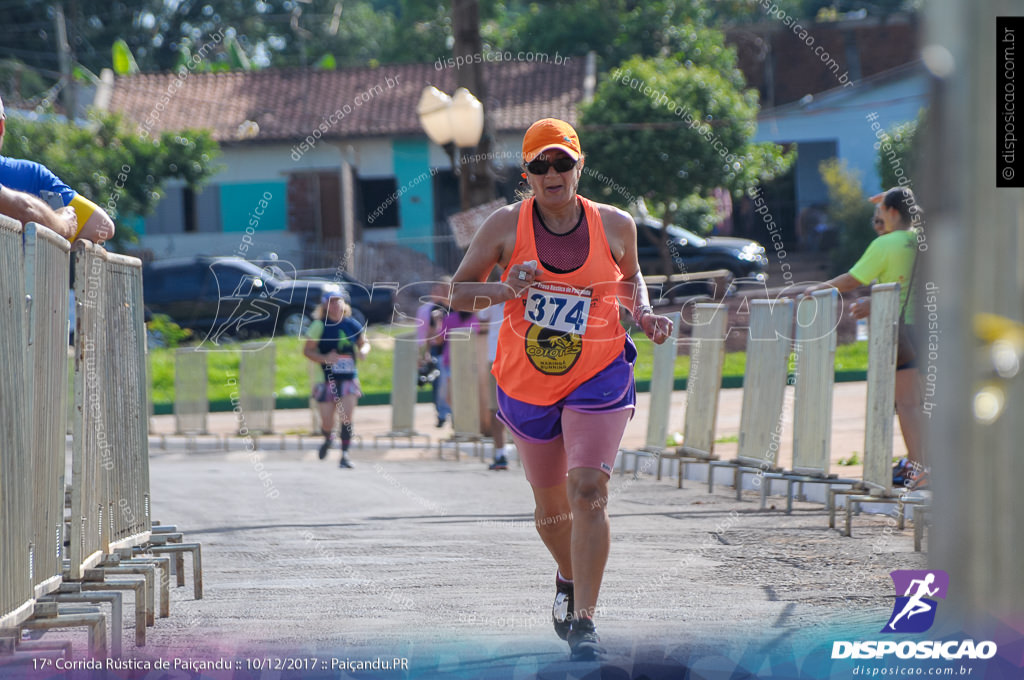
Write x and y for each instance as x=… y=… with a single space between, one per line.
x=324 y=448
x=500 y=464
x=441 y=421
x=561 y=611
x=584 y=644
x=345 y=462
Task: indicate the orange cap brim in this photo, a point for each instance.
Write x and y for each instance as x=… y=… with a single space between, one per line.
x=536 y=152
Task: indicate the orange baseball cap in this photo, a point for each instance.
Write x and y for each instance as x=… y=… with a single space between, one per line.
x=551 y=133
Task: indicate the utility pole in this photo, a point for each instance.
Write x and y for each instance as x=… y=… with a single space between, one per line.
x=974 y=267
x=64 y=56
x=475 y=181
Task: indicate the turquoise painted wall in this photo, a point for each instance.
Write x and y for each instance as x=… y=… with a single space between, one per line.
x=239 y=203
x=415 y=186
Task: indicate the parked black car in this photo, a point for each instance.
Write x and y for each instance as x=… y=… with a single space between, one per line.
x=232 y=297
x=691 y=253
x=376 y=302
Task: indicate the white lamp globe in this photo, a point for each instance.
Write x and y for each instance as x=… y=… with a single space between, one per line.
x=467 y=118
x=435 y=118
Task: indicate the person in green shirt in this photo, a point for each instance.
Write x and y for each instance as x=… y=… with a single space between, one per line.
x=890 y=259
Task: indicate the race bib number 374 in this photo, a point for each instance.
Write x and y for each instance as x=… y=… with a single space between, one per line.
x=560 y=311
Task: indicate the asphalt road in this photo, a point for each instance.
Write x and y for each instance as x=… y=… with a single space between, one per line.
x=438 y=562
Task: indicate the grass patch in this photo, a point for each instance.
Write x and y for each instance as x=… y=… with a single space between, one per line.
x=292 y=369
x=853 y=357
x=854 y=459
x=728 y=439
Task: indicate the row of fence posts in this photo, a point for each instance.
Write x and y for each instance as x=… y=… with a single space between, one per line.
x=767 y=372
x=66 y=549
x=255 y=388
x=761 y=422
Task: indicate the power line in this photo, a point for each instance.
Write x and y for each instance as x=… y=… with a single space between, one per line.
x=30 y=53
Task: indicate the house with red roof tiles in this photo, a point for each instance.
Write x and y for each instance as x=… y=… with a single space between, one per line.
x=314 y=161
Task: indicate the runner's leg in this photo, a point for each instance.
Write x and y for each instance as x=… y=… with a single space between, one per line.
x=908 y=408
x=544 y=463
x=591 y=442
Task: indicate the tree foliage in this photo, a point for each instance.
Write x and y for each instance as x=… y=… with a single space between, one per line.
x=849 y=211
x=358 y=32
x=668 y=132
x=902 y=158
x=108 y=163
x=614 y=29
x=270 y=32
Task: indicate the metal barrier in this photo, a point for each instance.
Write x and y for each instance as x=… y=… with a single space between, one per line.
x=191 y=405
x=403 y=391
x=16 y=592
x=878 y=427
x=109 y=499
x=815 y=350
x=127 y=501
x=256 y=386
x=91 y=454
x=110 y=455
x=883 y=328
x=707 y=359
x=316 y=375
x=662 y=382
x=70 y=396
x=764 y=385
x=467 y=353
x=46 y=285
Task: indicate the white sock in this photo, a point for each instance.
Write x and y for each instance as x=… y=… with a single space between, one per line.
x=564 y=579
x=499 y=452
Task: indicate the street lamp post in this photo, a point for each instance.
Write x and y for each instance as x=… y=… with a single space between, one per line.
x=456 y=123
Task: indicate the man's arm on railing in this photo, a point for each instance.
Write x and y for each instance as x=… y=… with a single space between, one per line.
x=94 y=224
x=27 y=208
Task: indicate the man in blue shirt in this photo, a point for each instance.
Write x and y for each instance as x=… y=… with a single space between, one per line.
x=93 y=223
x=336 y=341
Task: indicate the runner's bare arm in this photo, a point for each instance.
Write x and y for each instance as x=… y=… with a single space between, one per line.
x=492 y=245
x=312 y=352
x=844 y=283
x=620 y=230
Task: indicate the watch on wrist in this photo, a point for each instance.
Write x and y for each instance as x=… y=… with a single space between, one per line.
x=639 y=313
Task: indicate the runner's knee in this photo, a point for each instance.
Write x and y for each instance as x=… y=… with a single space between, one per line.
x=588 y=495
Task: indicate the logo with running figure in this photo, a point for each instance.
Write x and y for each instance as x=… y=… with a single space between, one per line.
x=914 y=610
x=552 y=352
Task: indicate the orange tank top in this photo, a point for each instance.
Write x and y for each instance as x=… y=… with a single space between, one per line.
x=565 y=328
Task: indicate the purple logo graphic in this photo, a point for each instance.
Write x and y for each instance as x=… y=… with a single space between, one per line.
x=914 y=609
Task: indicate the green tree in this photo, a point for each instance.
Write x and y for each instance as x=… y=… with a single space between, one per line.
x=614 y=29
x=904 y=156
x=672 y=133
x=849 y=211
x=108 y=163
x=420 y=32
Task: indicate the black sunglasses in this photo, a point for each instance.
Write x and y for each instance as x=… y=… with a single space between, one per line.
x=539 y=166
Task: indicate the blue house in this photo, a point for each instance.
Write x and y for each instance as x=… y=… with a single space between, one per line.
x=845 y=123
